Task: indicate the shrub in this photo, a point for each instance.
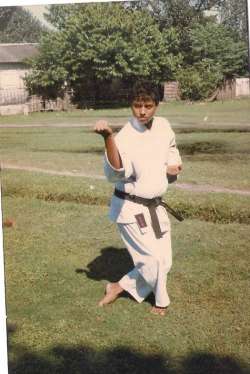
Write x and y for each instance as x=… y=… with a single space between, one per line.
x=197 y=82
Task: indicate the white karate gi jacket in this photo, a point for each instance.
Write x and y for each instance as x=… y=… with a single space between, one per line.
x=145 y=155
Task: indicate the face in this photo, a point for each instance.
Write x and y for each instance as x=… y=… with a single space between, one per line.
x=143 y=109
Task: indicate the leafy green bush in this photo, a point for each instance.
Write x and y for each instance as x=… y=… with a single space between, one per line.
x=199 y=81
x=212 y=54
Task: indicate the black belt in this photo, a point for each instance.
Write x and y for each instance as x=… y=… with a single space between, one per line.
x=151 y=204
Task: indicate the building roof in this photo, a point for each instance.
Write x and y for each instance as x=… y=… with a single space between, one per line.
x=17 y=52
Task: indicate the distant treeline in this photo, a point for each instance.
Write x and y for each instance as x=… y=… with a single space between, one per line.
x=96 y=51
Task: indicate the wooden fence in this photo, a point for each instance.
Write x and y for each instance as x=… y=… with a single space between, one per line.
x=19 y=102
x=13 y=96
x=231 y=89
x=171 y=91
x=37 y=104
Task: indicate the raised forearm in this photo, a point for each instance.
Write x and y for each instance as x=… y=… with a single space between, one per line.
x=102 y=128
x=112 y=152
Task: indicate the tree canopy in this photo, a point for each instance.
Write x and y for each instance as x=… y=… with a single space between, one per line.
x=233 y=14
x=102 y=42
x=215 y=53
x=95 y=45
x=220 y=45
x=17 y=25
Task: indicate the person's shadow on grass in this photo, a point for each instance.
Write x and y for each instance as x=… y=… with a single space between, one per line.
x=110 y=265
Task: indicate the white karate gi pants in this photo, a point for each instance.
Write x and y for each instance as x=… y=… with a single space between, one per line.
x=152 y=259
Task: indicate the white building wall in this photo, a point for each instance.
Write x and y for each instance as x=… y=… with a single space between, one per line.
x=12 y=85
x=242 y=87
x=11 y=77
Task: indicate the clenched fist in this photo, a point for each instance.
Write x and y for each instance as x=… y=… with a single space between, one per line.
x=174 y=169
x=101 y=127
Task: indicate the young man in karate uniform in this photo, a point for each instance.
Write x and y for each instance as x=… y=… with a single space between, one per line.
x=139 y=160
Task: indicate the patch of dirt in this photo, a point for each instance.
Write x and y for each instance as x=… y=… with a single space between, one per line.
x=209 y=188
x=49 y=171
x=184 y=186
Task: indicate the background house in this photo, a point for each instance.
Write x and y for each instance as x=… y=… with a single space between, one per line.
x=13 y=94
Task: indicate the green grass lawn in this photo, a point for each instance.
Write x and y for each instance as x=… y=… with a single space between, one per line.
x=58 y=258
x=231 y=113
x=224 y=114
x=62 y=250
x=226 y=208
x=215 y=158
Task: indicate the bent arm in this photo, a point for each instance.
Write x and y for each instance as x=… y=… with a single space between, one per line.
x=102 y=128
x=117 y=167
x=112 y=152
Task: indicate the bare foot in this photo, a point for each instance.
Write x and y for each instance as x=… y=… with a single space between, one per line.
x=158 y=310
x=113 y=290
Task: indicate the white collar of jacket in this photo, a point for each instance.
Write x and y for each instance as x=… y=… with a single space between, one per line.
x=137 y=124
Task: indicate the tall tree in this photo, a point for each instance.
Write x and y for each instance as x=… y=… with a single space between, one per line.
x=5 y=16
x=233 y=14
x=175 y=13
x=215 y=53
x=98 y=43
x=17 y=25
x=57 y=15
x=219 y=44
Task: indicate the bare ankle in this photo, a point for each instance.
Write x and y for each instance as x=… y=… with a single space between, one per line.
x=113 y=291
x=118 y=287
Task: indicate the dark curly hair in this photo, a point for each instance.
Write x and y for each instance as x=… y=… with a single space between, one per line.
x=145 y=90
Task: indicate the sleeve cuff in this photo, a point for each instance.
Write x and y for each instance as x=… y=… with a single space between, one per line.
x=112 y=174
